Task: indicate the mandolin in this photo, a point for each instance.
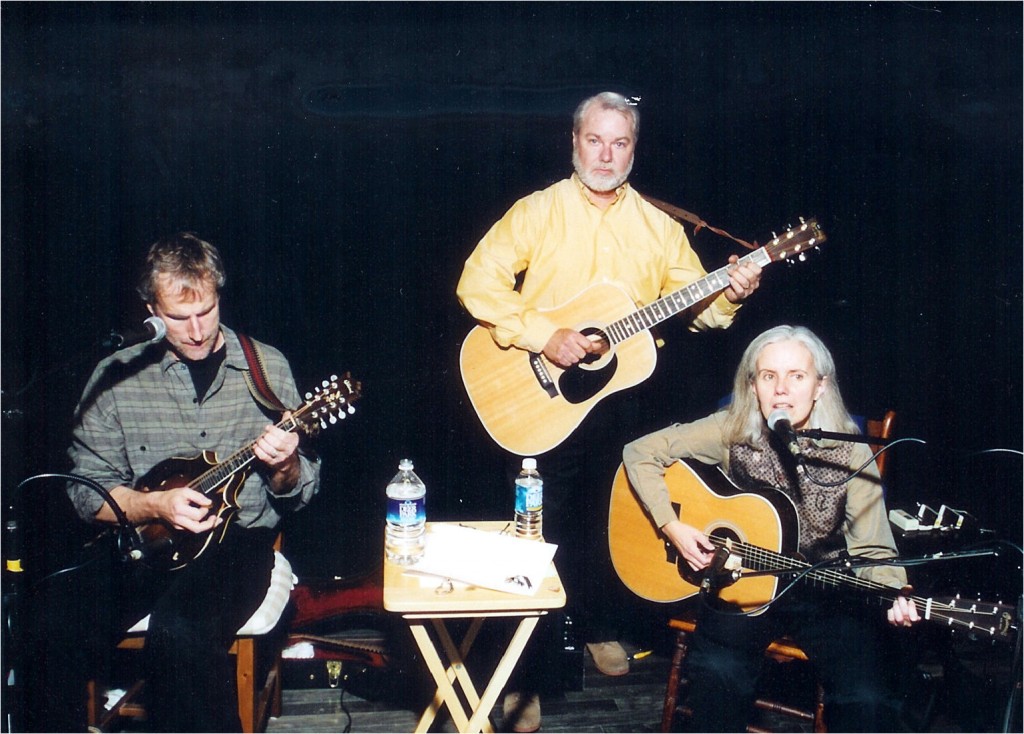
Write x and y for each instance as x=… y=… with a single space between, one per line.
x=172 y=548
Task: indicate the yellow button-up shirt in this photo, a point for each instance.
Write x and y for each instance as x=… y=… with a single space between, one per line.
x=565 y=243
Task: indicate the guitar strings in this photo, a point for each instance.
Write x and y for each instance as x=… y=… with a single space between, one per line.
x=767 y=560
x=212 y=477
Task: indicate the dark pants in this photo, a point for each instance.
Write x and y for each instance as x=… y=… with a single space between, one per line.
x=578 y=476
x=845 y=642
x=75 y=620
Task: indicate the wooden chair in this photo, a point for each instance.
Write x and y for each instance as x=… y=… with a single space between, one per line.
x=782 y=650
x=258 y=671
x=883 y=429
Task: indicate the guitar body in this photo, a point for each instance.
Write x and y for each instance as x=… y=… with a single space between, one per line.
x=169 y=547
x=649 y=565
x=516 y=409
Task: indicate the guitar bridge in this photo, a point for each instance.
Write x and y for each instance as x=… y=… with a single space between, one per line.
x=540 y=371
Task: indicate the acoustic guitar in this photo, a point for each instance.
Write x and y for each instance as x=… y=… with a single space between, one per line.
x=171 y=548
x=754 y=532
x=529 y=405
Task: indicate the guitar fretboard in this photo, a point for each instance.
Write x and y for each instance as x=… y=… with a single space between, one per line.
x=211 y=479
x=986 y=618
x=666 y=306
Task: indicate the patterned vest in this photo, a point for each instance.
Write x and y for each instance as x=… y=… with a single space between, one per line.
x=821 y=510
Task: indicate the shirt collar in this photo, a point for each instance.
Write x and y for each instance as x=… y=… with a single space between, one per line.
x=235 y=357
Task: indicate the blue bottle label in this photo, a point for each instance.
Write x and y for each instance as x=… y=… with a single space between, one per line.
x=529 y=497
x=407 y=512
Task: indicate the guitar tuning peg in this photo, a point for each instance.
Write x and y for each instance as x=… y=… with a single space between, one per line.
x=351 y=409
x=774 y=236
x=342 y=415
x=333 y=420
x=802 y=257
x=323 y=423
x=334 y=378
x=802 y=222
x=325 y=383
x=309 y=396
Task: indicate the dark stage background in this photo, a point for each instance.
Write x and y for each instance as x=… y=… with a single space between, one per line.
x=346 y=158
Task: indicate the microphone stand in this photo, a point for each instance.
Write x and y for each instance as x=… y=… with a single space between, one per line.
x=13 y=414
x=817 y=433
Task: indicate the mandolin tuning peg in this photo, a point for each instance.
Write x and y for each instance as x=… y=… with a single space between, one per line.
x=351 y=409
x=802 y=220
x=334 y=378
x=802 y=257
x=323 y=423
x=325 y=383
x=333 y=420
x=309 y=396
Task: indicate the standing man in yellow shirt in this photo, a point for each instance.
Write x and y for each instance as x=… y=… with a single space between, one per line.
x=588 y=229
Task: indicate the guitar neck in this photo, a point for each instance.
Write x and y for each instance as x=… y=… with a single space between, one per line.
x=215 y=476
x=667 y=306
x=991 y=619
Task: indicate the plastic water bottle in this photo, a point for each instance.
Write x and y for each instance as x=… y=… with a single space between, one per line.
x=404 y=540
x=529 y=501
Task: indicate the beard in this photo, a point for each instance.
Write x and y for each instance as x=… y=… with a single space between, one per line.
x=599 y=182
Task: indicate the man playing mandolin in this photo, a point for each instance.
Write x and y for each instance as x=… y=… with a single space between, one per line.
x=785 y=373
x=189 y=395
x=592 y=229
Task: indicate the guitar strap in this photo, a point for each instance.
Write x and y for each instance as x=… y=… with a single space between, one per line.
x=256 y=377
x=698 y=223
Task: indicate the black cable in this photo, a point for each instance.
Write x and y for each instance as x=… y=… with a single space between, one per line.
x=865 y=465
x=889 y=445
x=128 y=540
x=344 y=708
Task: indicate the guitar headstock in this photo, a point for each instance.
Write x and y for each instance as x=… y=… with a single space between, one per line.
x=986 y=620
x=330 y=402
x=795 y=242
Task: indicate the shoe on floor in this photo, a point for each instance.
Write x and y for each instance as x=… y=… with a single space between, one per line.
x=609 y=657
x=521 y=712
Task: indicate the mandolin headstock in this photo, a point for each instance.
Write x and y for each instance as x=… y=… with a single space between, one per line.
x=330 y=402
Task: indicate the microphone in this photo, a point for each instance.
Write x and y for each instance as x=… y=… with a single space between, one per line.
x=778 y=423
x=152 y=330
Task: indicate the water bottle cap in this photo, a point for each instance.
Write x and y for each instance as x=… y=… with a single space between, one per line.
x=405 y=465
x=530 y=464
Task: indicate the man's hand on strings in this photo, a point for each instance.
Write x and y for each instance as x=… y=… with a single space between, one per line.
x=279 y=451
x=277 y=448
x=743 y=279
x=567 y=347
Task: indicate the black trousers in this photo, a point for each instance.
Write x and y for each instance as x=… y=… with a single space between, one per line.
x=844 y=639
x=578 y=476
x=74 y=621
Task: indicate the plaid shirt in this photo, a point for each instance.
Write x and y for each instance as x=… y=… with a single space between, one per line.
x=140 y=408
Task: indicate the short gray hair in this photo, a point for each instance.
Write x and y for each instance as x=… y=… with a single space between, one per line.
x=607 y=101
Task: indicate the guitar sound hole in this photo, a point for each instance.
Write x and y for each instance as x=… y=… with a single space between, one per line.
x=593 y=372
x=720 y=535
x=598 y=337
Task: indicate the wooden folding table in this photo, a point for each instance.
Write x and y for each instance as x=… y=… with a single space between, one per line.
x=419 y=601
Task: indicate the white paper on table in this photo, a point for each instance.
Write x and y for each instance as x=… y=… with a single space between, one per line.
x=487 y=559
